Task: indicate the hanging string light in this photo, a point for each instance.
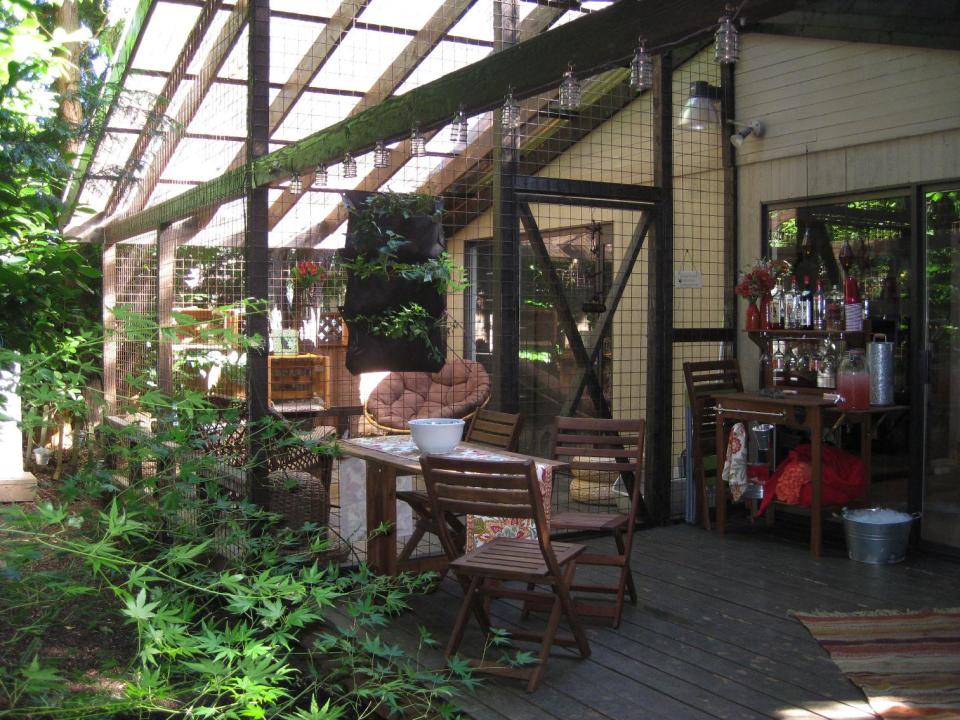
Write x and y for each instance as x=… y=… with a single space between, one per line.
x=510 y=114
x=726 y=42
x=349 y=166
x=296 y=184
x=418 y=145
x=381 y=155
x=570 y=90
x=458 y=129
x=641 y=68
x=322 y=175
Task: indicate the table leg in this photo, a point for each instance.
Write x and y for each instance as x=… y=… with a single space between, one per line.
x=382 y=510
x=816 y=475
x=720 y=494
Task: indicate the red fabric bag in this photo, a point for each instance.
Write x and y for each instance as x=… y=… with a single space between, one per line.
x=843 y=478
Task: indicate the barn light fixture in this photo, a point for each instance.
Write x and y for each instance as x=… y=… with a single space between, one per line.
x=700 y=110
x=296 y=184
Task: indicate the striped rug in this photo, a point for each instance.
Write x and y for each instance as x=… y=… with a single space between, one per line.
x=907 y=663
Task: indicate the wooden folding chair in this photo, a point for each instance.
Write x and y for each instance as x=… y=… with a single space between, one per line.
x=607 y=449
x=704 y=380
x=488 y=427
x=505 y=489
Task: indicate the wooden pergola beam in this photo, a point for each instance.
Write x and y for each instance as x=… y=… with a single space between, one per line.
x=536 y=22
x=188 y=109
x=170 y=87
x=592 y=43
x=420 y=45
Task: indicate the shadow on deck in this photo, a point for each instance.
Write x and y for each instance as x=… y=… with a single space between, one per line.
x=711 y=636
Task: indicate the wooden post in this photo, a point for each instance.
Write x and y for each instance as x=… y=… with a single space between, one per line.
x=255 y=248
x=730 y=226
x=110 y=346
x=166 y=251
x=506 y=235
x=659 y=409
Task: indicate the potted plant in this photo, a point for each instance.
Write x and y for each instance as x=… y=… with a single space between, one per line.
x=398 y=276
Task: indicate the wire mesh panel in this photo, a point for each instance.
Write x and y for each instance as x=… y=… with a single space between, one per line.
x=134 y=314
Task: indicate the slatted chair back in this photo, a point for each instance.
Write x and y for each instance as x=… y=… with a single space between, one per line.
x=704 y=380
x=496 y=429
x=605 y=447
x=486 y=487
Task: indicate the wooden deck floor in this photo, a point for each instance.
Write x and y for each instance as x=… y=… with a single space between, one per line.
x=711 y=637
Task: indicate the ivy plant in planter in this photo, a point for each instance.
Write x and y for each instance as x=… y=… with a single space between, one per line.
x=398 y=276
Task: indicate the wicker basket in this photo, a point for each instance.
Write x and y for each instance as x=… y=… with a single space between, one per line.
x=299 y=497
x=593 y=487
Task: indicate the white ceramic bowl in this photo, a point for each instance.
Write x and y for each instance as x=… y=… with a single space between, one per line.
x=436 y=435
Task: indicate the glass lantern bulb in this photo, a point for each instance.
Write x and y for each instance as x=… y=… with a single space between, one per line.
x=418 y=146
x=511 y=112
x=322 y=175
x=641 y=69
x=349 y=166
x=381 y=155
x=726 y=42
x=458 y=129
x=570 y=91
x=296 y=184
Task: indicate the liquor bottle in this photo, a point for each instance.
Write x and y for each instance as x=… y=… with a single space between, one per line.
x=777 y=306
x=820 y=307
x=806 y=305
x=779 y=364
x=789 y=302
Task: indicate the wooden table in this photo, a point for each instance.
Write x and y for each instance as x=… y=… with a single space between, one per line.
x=805 y=411
x=382 y=469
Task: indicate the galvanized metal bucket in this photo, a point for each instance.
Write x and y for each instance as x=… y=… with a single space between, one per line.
x=873 y=541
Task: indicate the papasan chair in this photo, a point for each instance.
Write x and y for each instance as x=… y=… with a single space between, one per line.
x=458 y=390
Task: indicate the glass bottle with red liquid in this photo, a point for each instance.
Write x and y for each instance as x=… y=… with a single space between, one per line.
x=853 y=382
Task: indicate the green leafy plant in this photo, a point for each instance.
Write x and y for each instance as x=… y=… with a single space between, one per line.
x=405 y=322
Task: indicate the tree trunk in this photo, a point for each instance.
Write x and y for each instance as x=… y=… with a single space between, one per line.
x=71 y=111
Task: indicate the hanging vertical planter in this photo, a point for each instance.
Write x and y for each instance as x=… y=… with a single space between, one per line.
x=398 y=276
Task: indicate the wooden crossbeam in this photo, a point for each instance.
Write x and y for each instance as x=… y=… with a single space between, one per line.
x=614 y=296
x=185 y=113
x=592 y=43
x=567 y=322
x=208 y=13
x=420 y=45
x=535 y=23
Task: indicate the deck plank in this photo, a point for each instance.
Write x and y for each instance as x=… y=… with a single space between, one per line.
x=711 y=636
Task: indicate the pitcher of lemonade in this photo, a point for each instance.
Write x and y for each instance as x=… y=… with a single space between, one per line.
x=853 y=382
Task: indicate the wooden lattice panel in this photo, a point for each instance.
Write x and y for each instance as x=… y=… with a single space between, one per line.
x=331 y=330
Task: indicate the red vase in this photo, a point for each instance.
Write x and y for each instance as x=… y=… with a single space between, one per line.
x=765 y=312
x=753 y=317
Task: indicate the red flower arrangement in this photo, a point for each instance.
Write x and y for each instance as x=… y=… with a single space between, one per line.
x=307 y=273
x=759 y=280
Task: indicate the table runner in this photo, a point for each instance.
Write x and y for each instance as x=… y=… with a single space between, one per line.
x=480 y=529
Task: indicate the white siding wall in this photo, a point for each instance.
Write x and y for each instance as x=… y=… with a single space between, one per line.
x=841 y=118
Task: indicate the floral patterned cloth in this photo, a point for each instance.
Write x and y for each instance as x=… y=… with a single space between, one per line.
x=480 y=529
x=735 y=462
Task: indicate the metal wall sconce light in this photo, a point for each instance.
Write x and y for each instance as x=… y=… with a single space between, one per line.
x=700 y=110
x=755 y=128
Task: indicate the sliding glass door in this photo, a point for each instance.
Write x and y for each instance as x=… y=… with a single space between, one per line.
x=941 y=488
